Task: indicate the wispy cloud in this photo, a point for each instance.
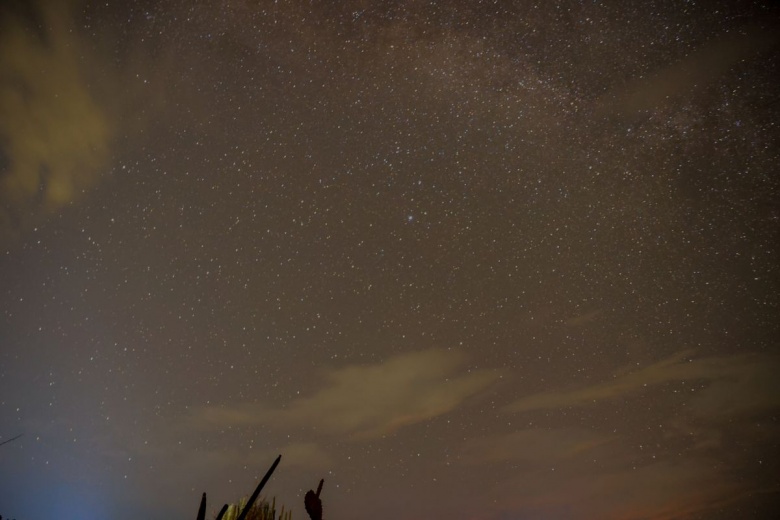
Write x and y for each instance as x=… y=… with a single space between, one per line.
x=583 y=473
x=736 y=384
x=701 y=67
x=369 y=400
x=536 y=445
x=584 y=318
x=678 y=470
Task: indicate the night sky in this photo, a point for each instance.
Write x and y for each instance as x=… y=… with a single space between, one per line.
x=487 y=260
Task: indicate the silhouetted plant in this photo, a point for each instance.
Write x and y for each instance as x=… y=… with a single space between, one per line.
x=202 y=508
x=313 y=503
x=247 y=508
x=261 y=510
x=6 y=442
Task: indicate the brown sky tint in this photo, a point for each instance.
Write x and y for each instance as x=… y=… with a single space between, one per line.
x=478 y=260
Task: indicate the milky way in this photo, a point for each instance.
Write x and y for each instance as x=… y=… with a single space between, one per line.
x=480 y=260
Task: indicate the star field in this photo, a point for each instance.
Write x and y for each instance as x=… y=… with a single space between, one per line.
x=484 y=260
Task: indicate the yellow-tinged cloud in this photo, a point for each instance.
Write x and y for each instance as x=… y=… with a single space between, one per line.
x=737 y=384
x=53 y=136
x=371 y=400
x=303 y=454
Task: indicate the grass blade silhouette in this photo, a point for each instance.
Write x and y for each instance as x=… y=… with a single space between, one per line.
x=222 y=512
x=11 y=439
x=202 y=508
x=259 y=488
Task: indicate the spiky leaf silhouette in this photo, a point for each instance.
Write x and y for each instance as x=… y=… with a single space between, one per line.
x=259 y=488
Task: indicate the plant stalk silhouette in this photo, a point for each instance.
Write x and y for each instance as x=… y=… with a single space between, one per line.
x=11 y=439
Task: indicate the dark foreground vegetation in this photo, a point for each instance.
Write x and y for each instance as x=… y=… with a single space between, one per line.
x=252 y=509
